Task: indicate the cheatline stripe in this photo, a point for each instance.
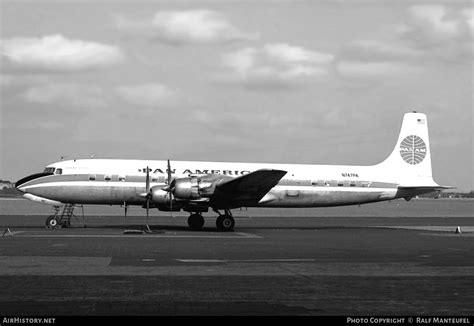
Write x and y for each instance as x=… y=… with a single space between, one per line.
x=125 y=184
x=141 y=185
x=92 y=183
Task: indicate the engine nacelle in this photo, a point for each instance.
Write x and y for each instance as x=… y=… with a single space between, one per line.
x=187 y=188
x=196 y=187
x=159 y=196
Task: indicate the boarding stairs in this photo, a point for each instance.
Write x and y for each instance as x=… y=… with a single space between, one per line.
x=63 y=218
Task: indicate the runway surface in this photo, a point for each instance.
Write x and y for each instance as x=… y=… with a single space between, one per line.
x=281 y=265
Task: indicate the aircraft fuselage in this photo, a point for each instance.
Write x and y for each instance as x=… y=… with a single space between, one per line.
x=115 y=182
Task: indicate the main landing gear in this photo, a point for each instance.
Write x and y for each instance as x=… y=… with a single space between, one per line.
x=195 y=221
x=225 y=222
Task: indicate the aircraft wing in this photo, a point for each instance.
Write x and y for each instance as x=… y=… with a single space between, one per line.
x=247 y=189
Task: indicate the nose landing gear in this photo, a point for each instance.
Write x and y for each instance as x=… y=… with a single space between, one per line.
x=52 y=221
x=61 y=219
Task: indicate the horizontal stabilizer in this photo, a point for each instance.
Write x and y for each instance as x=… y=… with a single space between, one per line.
x=408 y=192
x=433 y=188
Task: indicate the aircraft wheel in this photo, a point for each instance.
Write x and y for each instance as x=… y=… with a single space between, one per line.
x=51 y=222
x=225 y=223
x=196 y=221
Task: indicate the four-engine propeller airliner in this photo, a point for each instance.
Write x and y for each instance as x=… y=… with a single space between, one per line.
x=197 y=186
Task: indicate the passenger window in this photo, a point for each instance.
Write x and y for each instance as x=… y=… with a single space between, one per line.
x=91 y=176
x=340 y=183
x=353 y=184
x=327 y=183
x=314 y=183
x=121 y=178
x=107 y=177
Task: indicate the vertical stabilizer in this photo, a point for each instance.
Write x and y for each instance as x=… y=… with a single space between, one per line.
x=410 y=160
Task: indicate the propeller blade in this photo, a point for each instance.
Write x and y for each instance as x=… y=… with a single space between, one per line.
x=147 y=209
x=148 y=193
x=170 y=187
x=169 y=171
x=147 y=181
x=171 y=203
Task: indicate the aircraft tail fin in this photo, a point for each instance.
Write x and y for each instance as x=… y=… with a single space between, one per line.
x=410 y=160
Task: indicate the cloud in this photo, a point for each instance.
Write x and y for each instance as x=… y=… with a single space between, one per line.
x=34 y=125
x=375 y=51
x=57 y=53
x=363 y=69
x=66 y=94
x=444 y=33
x=147 y=95
x=19 y=81
x=468 y=14
x=369 y=59
x=429 y=34
x=276 y=63
x=199 y=26
x=435 y=25
x=72 y=95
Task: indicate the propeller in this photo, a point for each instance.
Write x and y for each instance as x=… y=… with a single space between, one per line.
x=147 y=193
x=125 y=206
x=170 y=187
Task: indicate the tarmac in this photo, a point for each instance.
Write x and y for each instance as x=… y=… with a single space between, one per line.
x=312 y=266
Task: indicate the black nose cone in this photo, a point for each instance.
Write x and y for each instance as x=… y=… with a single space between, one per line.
x=21 y=182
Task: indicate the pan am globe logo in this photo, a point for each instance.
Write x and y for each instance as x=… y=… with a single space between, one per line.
x=413 y=149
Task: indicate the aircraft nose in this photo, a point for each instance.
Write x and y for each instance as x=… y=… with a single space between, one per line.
x=20 y=189
x=18 y=186
x=22 y=183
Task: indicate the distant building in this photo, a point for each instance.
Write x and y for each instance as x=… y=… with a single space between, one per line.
x=6 y=185
x=448 y=195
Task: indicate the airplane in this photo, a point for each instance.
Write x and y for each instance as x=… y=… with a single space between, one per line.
x=196 y=187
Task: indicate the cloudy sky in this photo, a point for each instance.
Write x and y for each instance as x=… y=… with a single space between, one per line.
x=324 y=82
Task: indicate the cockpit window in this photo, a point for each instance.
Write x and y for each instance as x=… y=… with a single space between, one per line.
x=49 y=170
x=59 y=171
